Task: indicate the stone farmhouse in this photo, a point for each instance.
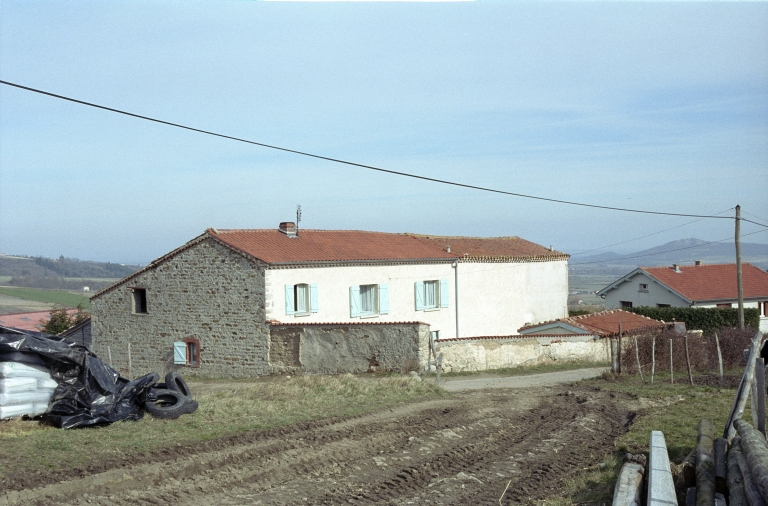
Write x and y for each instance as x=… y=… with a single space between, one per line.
x=255 y=302
x=690 y=286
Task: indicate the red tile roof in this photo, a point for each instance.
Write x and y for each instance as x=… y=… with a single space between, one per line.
x=28 y=321
x=712 y=282
x=489 y=246
x=274 y=247
x=606 y=323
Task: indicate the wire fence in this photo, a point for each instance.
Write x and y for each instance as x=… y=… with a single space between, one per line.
x=702 y=351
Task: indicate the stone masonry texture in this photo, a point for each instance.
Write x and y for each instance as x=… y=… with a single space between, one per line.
x=206 y=292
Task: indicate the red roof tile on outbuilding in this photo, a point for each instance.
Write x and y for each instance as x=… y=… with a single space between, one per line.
x=606 y=323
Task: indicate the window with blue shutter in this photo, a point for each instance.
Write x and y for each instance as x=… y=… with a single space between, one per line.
x=179 y=353
x=443 y=293
x=383 y=299
x=354 y=301
x=290 y=303
x=419 y=295
x=313 y=298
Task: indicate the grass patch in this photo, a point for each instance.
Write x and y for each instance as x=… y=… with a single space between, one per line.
x=226 y=408
x=674 y=409
x=59 y=297
x=527 y=370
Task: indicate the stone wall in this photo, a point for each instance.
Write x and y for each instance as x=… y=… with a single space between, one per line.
x=484 y=354
x=203 y=291
x=349 y=348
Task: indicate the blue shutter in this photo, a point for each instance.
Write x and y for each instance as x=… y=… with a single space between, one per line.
x=419 y=292
x=289 y=302
x=443 y=293
x=313 y=298
x=354 y=301
x=179 y=353
x=383 y=299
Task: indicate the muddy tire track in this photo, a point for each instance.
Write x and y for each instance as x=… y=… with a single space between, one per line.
x=462 y=450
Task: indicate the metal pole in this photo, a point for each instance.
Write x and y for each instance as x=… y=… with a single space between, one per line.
x=739 y=284
x=456 y=293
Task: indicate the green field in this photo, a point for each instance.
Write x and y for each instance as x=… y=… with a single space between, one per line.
x=59 y=297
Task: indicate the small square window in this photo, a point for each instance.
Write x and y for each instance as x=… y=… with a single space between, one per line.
x=431 y=294
x=626 y=303
x=643 y=287
x=369 y=299
x=140 y=300
x=187 y=352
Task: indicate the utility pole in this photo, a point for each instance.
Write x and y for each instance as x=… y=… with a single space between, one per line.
x=739 y=284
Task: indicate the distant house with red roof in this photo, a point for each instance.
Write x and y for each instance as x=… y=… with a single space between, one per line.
x=607 y=323
x=213 y=302
x=29 y=322
x=690 y=286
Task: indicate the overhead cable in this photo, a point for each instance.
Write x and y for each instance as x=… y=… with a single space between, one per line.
x=354 y=164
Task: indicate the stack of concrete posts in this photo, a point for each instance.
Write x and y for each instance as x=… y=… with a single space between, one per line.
x=25 y=389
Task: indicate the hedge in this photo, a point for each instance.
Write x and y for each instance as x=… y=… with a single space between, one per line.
x=708 y=319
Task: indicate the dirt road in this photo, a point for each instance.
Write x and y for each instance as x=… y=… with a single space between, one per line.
x=461 y=450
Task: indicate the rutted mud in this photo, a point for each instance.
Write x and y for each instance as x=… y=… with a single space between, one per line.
x=463 y=450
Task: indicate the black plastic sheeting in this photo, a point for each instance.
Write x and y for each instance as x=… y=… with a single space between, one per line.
x=90 y=392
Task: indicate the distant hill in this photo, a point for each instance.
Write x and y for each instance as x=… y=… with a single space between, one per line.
x=684 y=252
x=41 y=272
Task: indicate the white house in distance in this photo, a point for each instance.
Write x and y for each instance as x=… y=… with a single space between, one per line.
x=690 y=286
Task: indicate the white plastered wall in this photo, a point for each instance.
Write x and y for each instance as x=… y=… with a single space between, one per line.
x=495 y=299
x=333 y=293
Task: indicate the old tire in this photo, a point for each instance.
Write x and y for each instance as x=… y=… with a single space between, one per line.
x=168 y=404
x=174 y=381
x=190 y=407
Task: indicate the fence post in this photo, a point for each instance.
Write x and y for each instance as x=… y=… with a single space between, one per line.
x=653 y=357
x=688 y=359
x=438 y=368
x=109 y=353
x=671 y=369
x=614 y=362
x=129 y=361
x=719 y=361
x=620 y=348
x=637 y=357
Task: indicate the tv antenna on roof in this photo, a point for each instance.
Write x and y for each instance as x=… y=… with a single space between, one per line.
x=298 y=218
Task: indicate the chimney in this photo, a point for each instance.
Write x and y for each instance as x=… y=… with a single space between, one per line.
x=676 y=267
x=288 y=228
x=697 y=262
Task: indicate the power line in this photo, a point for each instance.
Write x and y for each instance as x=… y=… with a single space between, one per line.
x=753 y=215
x=644 y=236
x=756 y=223
x=668 y=251
x=354 y=164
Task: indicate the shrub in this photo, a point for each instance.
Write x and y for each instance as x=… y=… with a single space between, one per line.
x=706 y=319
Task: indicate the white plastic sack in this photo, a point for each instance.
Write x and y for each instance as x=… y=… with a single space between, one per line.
x=15 y=385
x=21 y=398
x=46 y=384
x=19 y=370
x=38 y=408
x=15 y=411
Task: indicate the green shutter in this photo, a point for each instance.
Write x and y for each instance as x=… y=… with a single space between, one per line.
x=289 y=302
x=383 y=299
x=443 y=293
x=179 y=353
x=419 y=293
x=354 y=301
x=313 y=298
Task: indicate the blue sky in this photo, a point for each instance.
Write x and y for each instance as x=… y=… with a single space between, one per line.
x=654 y=106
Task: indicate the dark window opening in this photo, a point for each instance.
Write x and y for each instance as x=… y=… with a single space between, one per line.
x=662 y=305
x=139 y=300
x=724 y=305
x=626 y=303
x=193 y=351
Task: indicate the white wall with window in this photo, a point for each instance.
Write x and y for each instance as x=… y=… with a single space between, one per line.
x=362 y=293
x=495 y=298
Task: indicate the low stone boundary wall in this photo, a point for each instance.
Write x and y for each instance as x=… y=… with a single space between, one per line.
x=329 y=348
x=481 y=354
